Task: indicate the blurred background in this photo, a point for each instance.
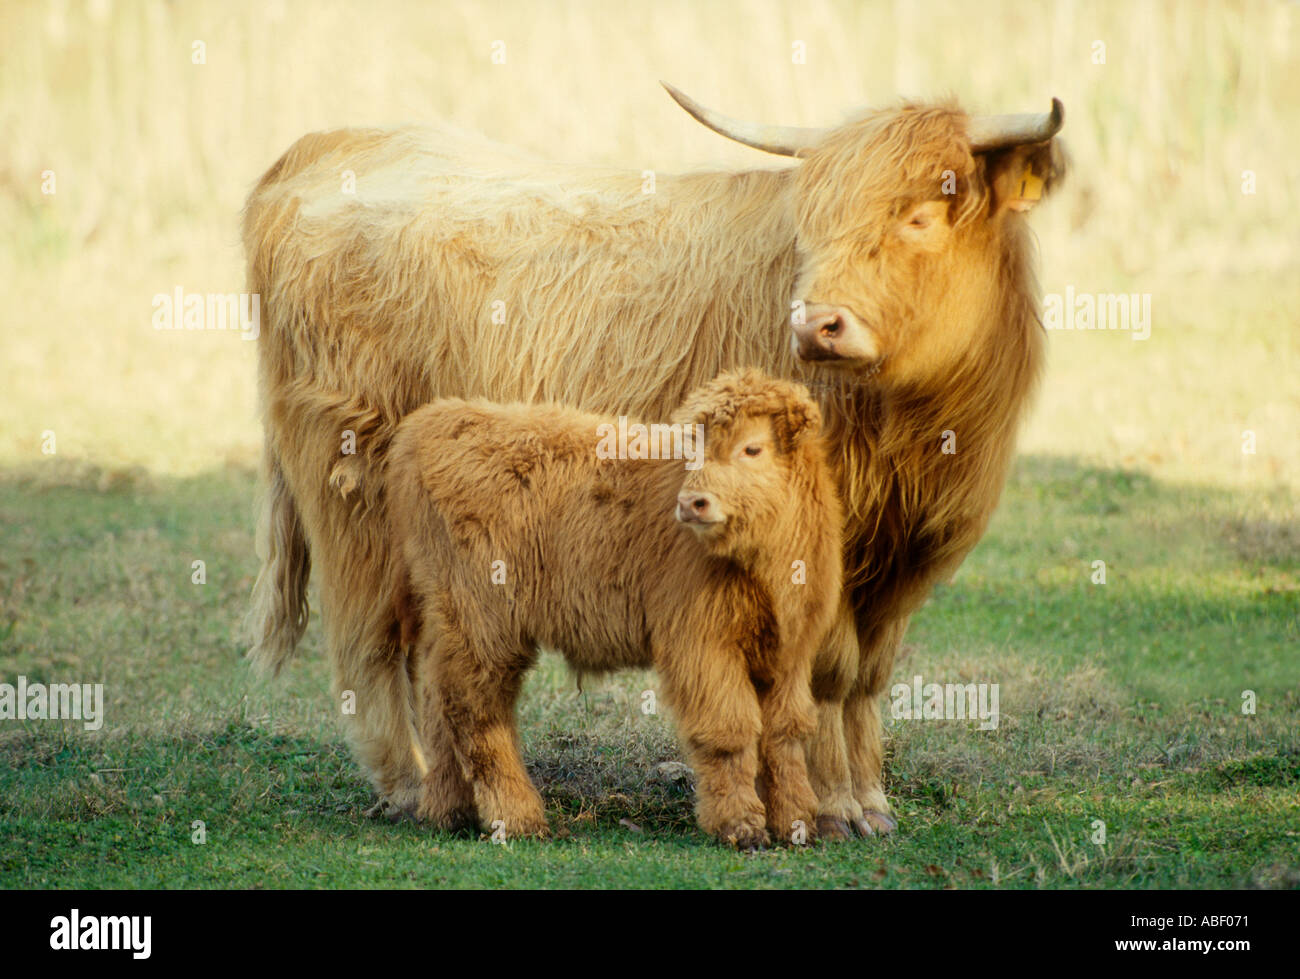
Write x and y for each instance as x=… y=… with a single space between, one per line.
x=1167 y=106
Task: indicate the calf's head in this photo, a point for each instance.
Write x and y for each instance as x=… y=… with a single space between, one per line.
x=910 y=234
x=762 y=454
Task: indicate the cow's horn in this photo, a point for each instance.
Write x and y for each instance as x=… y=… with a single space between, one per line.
x=999 y=132
x=986 y=132
x=782 y=140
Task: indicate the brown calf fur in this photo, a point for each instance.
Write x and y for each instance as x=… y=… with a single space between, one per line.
x=510 y=533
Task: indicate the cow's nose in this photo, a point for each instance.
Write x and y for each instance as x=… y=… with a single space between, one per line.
x=832 y=333
x=696 y=508
x=820 y=324
x=830 y=325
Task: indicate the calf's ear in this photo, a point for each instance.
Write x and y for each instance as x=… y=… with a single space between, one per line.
x=1021 y=176
x=796 y=422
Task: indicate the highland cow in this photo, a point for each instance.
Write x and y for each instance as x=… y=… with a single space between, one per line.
x=890 y=269
x=511 y=531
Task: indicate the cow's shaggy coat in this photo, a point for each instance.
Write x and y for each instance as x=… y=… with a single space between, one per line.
x=461 y=268
x=511 y=532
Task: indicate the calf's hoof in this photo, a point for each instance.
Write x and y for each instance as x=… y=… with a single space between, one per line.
x=748 y=833
x=833 y=829
x=873 y=822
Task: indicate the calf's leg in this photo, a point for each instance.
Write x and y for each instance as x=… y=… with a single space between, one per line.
x=719 y=720
x=788 y=716
x=446 y=796
x=478 y=672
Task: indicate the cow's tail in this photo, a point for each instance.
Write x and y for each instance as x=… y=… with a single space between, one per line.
x=278 y=616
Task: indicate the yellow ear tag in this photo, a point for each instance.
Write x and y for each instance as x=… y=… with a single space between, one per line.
x=1031 y=185
x=1026 y=190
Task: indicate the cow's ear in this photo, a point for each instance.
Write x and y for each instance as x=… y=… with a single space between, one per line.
x=1021 y=176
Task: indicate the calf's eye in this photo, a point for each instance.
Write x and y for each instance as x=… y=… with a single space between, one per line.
x=753 y=450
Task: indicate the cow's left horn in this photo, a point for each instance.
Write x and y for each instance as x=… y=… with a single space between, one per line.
x=782 y=140
x=999 y=132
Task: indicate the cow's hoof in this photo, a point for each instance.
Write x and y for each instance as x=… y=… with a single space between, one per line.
x=795 y=832
x=833 y=829
x=455 y=821
x=872 y=822
x=383 y=809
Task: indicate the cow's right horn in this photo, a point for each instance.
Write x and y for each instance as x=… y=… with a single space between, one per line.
x=782 y=140
x=1000 y=132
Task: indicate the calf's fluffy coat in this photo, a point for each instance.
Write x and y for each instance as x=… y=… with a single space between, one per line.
x=510 y=533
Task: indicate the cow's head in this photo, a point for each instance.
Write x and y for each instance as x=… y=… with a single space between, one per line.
x=909 y=225
x=761 y=453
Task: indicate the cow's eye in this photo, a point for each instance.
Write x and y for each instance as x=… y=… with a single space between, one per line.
x=753 y=450
x=919 y=221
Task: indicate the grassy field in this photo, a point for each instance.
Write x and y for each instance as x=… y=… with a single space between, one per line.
x=1120 y=702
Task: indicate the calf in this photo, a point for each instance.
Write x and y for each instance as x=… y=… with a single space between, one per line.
x=512 y=531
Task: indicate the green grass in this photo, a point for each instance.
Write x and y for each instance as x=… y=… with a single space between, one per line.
x=1120 y=703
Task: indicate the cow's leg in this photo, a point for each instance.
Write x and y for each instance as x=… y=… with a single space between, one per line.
x=720 y=722
x=828 y=771
x=789 y=716
x=349 y=542
x=863 y=729
x=834 y=671
x=478 y=673
x=371 y=685
x=373 y=690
